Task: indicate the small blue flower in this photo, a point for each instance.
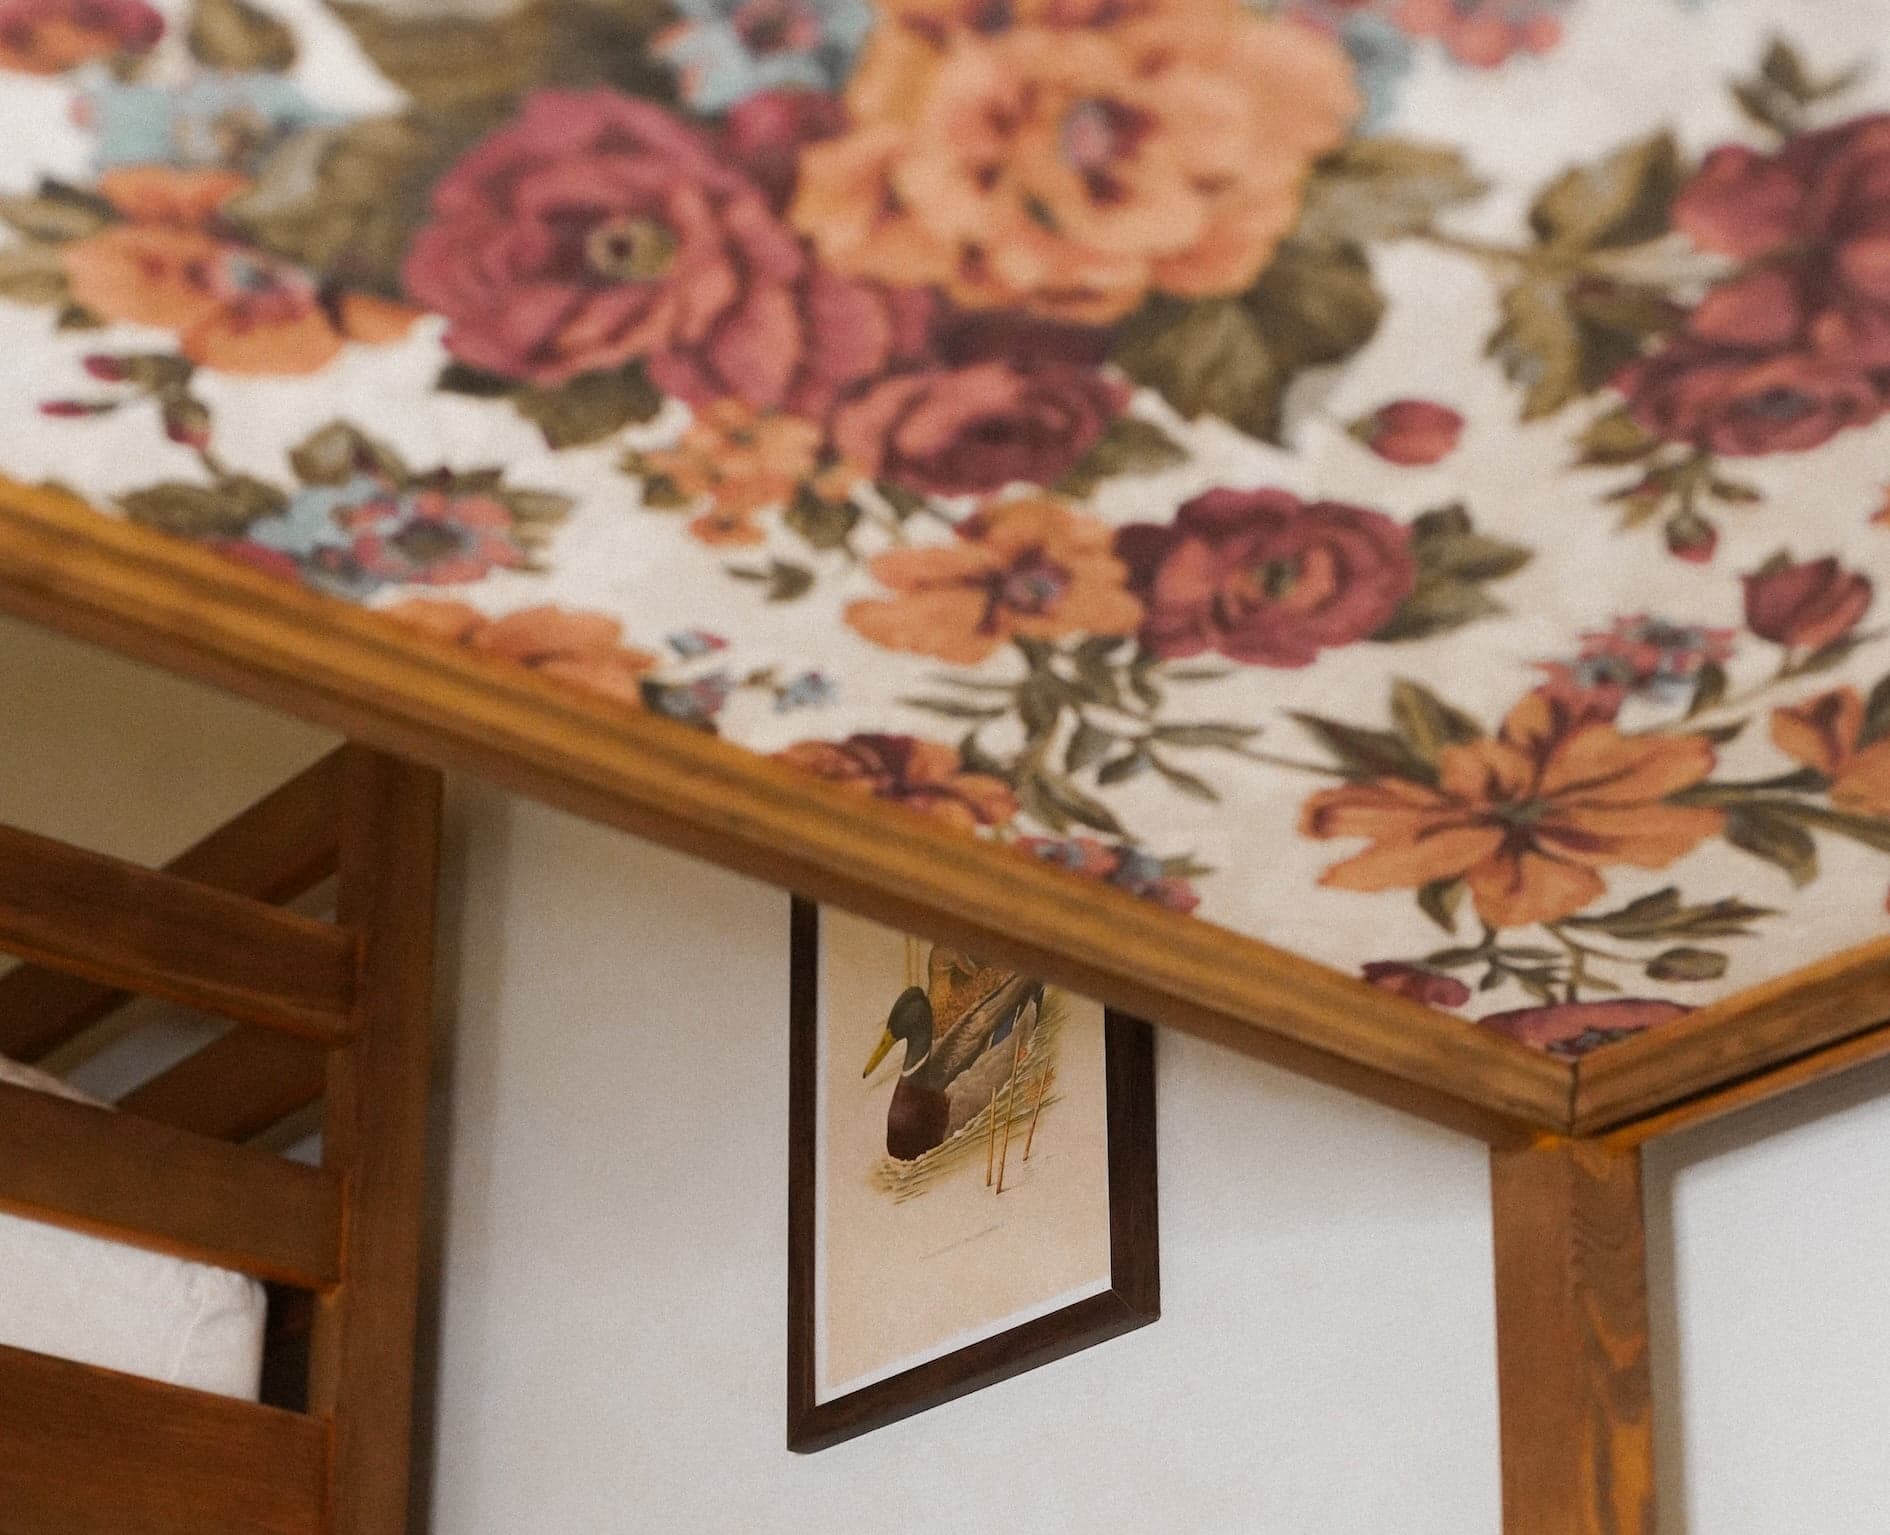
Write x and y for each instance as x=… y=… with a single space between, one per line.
x=726 y=50
x=228 y=121
x=312 y=521
x=690 y=643
x=694 y=703
x=804 y=692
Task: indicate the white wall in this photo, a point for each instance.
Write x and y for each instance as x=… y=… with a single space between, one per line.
x=605 y=1341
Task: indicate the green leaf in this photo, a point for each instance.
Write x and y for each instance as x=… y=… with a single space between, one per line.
x=1686 y=965
x=590 y=408
x=346 y=201
x=1365 y=753
x=237 y=36
x=1089 y=744
x=1539 y=344
x=1231 y=738
x=77 y=317
x=1316 y=306
x=226 y=509
x=1122 y=769
x=1876 y=726
x=1436 y=606
x=955 y=708
x=1440 y=899
x=1872 y=831
x=824 y=524
x=1780 y=841
x=1040 y=701
x=1709 y=689
x=1186 y=782
x=1057 y=802
x=784 y=580
x=56 y=213
x=1129 y=446
x=1378 y=189
x=31 y=273
x=457 y=378
x=339 y=452
x=1615 y=438
x=1428 y=724
x=1206 y=359
x=1625 y=199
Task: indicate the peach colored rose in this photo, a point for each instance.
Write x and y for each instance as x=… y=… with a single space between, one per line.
x=1827 y=733
x=234 y=309
x=583 y=649
x=740 y=461
x=1031 y=567
x=1527 y=819
x=927 y=775
x=1071 y=156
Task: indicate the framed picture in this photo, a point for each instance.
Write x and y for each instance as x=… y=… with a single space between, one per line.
x=972 y=1184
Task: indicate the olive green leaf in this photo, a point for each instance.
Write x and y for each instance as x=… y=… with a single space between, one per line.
x=1709 y=689
x=32 y=273
x=1685 y=964
x=235 y=35
x=1089 y=744
x=1383 y=189
x=1764 y=832
x=784 y=581
x=1665 y=915
x=1427 y=723
x=56 y=213
x=346 y=201
x=1876 y=726
x=823 y=523
x=1440 y=901
x=1454 y=562
x=1362 y=753
x=1624 y=199
x=1614 y=438
x=1129 y=446
x=339 y=452
x=589 y=408
x=226 y=509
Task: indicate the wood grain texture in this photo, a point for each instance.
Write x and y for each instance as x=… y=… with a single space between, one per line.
x=66 y=567
x=1571 y=1318
x=1133 y=1299
x=89 y=1452
x=151 y=1186
x=374 y=1139
x=124 y=926
x=1736 y=1041
x=236 y=1087
x=277 y=850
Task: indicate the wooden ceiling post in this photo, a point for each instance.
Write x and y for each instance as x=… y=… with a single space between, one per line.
x=1571 y=1324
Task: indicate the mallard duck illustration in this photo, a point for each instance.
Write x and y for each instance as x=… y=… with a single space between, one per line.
x=964 y=1032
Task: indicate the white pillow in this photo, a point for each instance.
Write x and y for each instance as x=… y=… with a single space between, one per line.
x=97 y=1302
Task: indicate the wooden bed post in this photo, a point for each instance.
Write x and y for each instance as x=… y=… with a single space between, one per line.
x=374 y=1139
x=1571 y=1325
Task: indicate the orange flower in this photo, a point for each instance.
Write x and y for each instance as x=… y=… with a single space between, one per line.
x=927 y=775
x=742 y=460
x=49 y=37
x=1826 y=733
x=1078 y=156
x=1528 y=818
x=583 y=649
x=234 y=309
x=1031 y=567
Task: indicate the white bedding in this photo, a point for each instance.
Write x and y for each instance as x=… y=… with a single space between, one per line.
x=96 y=1302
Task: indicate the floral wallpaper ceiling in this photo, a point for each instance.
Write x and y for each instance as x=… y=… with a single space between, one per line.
x=1408 y=480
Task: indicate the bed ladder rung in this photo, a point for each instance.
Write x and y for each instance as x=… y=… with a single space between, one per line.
x=121 y=925
x=83 y=1451
x=153 y=1186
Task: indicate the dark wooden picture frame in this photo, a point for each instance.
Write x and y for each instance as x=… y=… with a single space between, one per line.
x=1133 y=1299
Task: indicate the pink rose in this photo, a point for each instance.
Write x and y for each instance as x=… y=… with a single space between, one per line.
x=1571 y=1029
x=1431 y=987
x=49 y=37
x=1743 y=404
x=1265 y=578
x=596 y=229
x=1810 y=605
x=957 y=431
x=765 y=133
x=1413 y=433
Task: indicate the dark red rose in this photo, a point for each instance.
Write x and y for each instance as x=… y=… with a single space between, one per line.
x=595 y=229
x=1265 y=578
x=49 y=37
x=765 y=133
x=1691 y=537
x=1411 y=433
x=956 y=431
x=1810 y=605
x=1741 y=404
x=1571 y=1029
x=1431 y=987
x=1812 y=223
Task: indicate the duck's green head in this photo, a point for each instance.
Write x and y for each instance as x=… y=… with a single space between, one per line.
x=909 y=1021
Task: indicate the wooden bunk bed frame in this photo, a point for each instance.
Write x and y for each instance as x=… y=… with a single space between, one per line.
x=332 y=1012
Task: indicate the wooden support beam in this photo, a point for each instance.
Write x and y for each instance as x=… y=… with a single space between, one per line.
x=124 y=926
x=85 y=1450
x=278 y=849
x=374 y=1139
x=1571 y=1323
x=236 y=1087
x=115 y=1176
